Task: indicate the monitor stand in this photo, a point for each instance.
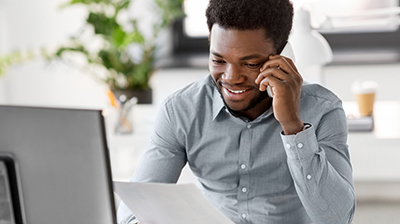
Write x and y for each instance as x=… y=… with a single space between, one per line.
x=10 y=204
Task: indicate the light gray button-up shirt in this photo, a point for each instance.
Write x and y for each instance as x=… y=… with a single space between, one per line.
x=249 y=170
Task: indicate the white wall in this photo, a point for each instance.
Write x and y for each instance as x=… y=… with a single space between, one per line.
x=40 y=22
x=34 y=24
x=3 y=28
x=340 y=78
x=31 y=25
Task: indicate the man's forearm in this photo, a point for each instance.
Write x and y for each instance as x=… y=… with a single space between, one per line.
x=325 y=186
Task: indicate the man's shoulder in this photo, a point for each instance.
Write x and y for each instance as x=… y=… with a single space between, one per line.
x=194 y=94
x=318 y=94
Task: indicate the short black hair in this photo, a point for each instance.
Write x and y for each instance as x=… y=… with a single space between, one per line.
x=274 y=16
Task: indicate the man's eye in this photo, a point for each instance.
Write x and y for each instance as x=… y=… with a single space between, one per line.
x=218 y=61
x=250 y=65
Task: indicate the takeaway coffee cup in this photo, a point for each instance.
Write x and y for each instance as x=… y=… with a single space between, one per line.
x=364 y=92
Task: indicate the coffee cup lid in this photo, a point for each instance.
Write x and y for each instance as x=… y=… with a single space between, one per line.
x=364 y=86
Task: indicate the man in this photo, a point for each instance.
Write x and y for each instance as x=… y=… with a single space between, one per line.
x=258 y=159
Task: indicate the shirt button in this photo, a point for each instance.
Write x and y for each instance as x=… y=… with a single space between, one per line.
x=243 y=166
x=244 y=190
x=248 y=126
x=300 y=145
x=309 y=176
x=244 y=216
x=287 y=146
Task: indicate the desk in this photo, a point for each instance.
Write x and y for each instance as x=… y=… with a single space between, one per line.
x=126 y=149
x=375 y=155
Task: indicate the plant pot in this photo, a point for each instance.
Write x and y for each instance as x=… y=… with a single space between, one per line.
x=144 y=96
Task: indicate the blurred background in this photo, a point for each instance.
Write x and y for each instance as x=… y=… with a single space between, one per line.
x=90 y=54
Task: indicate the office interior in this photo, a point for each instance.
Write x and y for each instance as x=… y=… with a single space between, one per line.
x=358 y=54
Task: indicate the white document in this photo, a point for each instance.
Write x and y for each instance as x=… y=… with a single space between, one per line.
x=154 y=203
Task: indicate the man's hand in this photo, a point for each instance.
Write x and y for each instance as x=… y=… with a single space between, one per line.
x=285 y=82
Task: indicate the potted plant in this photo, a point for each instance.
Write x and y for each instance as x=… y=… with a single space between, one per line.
x=124 y=58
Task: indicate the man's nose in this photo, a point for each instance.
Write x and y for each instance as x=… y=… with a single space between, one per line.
x=233 y=75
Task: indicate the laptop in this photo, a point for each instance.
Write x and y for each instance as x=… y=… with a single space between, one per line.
x=57 y=164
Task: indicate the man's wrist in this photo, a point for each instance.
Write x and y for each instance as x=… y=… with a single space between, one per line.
x=292 y=129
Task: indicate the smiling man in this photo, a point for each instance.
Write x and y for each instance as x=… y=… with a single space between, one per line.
x=280 y=159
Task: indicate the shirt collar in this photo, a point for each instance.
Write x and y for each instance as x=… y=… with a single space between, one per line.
x=218 y=103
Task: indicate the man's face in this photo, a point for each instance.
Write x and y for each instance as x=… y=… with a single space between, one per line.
x=236 y=57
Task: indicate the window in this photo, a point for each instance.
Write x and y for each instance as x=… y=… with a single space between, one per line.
x=343 y=16
x=195 y=23
x=355 y=15
x=361 y=31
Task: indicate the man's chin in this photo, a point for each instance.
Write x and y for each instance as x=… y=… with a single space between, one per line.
x=236 y=109
x=244 y=107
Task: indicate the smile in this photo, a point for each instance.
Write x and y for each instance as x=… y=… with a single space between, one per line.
x=236 y=91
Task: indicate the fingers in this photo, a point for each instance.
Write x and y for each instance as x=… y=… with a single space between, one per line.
x=280 y=67
x=287 y=60
x=270 y=81
x=286 y=64
x=277 y=70
x=274 y=85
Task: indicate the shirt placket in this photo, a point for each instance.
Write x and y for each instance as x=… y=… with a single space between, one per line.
x=244 y=172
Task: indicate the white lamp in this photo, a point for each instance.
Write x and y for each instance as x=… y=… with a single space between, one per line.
x=310 y=48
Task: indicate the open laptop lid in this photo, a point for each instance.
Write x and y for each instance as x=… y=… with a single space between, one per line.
x=61 y=164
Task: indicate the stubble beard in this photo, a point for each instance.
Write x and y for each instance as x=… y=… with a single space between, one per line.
x=253 y=103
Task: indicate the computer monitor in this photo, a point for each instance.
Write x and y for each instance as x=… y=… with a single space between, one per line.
x=58 y=165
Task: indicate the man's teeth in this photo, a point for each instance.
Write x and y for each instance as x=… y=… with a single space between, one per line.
x=237 y=92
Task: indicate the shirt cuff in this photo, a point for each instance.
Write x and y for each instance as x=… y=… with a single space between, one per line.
x=301 y=145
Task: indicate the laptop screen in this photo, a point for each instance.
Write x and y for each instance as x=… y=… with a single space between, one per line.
x=58 y=165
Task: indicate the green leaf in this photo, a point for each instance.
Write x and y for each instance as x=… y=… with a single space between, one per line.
x=111 y=60
x=140 y=75
x=118 y=36
x=134 y=37
x=124 y=4
x=78 y=48
x=13 y=58
x=85 y=2
x=102 y=24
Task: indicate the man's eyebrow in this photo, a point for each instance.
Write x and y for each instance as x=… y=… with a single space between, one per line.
x=216 y=54
x=252 y=56
x=248 y=57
